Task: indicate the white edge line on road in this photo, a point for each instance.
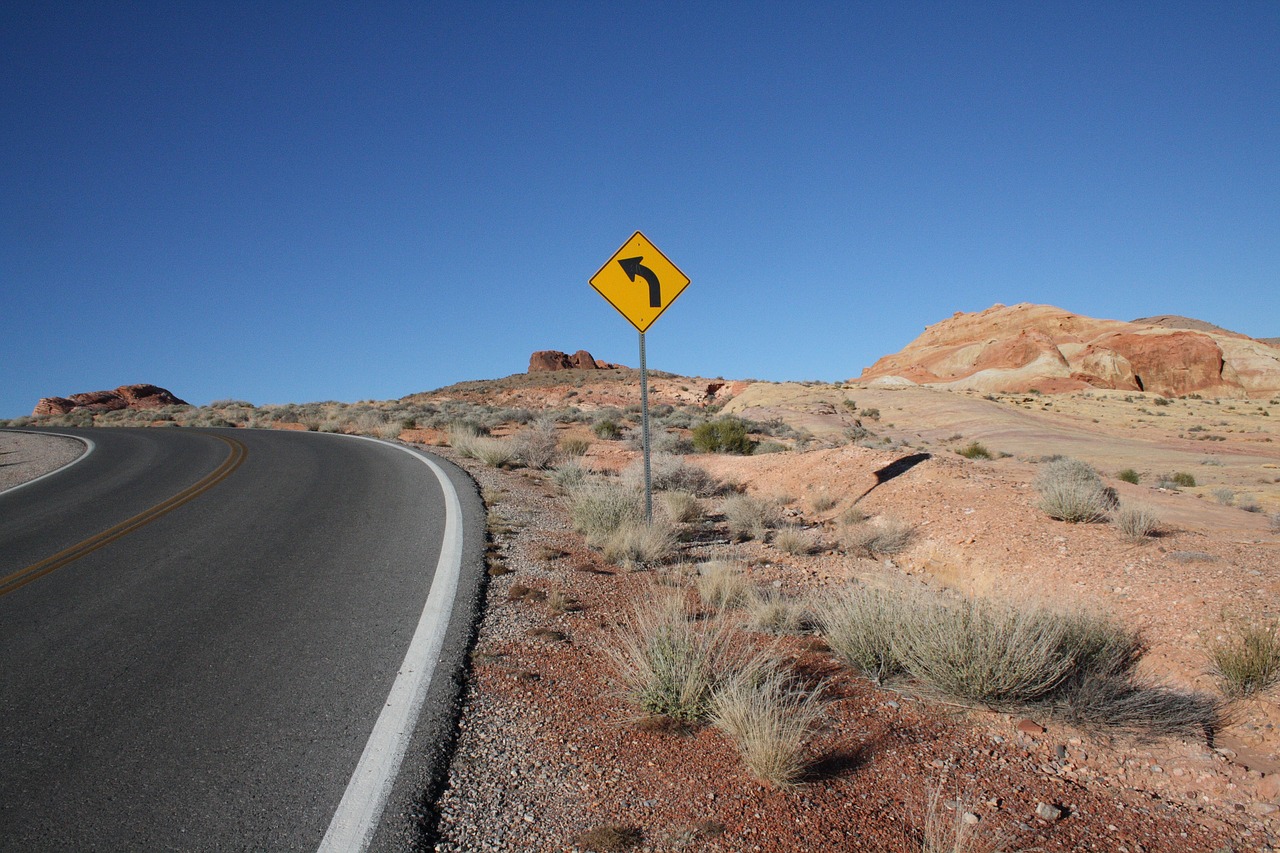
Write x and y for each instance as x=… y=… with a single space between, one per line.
x=89 y=447
x=358 y=814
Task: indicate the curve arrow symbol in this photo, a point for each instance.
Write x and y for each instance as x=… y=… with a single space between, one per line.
x=632 y=267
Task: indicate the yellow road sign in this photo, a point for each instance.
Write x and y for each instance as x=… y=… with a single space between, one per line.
x=639 y=281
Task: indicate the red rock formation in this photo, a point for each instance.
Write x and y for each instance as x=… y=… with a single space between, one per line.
x=124 y=397
x=1020 y=347
x=555 y=360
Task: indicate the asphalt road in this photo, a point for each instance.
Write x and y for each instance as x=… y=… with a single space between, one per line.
x=206 y=675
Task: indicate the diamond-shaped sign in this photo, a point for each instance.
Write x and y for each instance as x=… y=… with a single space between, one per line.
x=639 y=281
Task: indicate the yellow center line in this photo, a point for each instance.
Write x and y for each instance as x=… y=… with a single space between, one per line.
x=22 y=577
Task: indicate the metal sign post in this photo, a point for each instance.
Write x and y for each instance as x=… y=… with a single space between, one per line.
x=644 y=431
x=641 y=302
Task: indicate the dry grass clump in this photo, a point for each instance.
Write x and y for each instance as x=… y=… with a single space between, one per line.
x=671 y=473
x=860 y=625
x=574 y=446
x=770 y=719
x=608 y=838
x=537 y=445
x=1075 y=666
x=985 y=651
x=1247 y=660
x=1249 y=503
x=569 y=475
x=883 y=536
x=945 y=829
x=1224 y=496
x=822 y=501
x=771 y=612
x=1072 y=491
x=852 y=516
x=494 y=452
x=749 y=517
x=597 y=509
x=559 y=601
x=796 y=541
x=680 y=507
x=667 y=663
x=974 y=450
x=1136 y=522
x=638 y=542
x=721 y=585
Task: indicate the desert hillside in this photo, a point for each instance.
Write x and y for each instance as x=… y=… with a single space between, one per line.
x=1018 y=348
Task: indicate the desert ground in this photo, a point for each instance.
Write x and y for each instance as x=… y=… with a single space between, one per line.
x=553 y=754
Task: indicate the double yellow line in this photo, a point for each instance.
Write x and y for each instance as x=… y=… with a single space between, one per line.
x=22 y=577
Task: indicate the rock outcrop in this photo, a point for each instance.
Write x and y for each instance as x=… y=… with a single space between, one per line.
x=1022 y=347
x=555 y=360
x=124 y=397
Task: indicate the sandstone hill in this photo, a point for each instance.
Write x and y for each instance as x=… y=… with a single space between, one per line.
x=1024 y=347
x=124 y=397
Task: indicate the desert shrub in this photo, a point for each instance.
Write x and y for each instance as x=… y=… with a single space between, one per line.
x=671 y=443
x=671 y=473
x=1136 y=522
x=537 y=444
x=721 y=585
x=796 y=541
x=872 y=414
x=569 y=475
x=573 y=446
x=1247 y=660
x=856 y=433
x=607 y=429
x=749 y=517
x=974 y=450
x=1128 y=475
x=1181 y=479
x=1275 y=522
x=1072 y=491
x=722 y=435
x=641 y=542
x=769 y=447
x=860 y=625
x=1249 y=504
x=667 y=664
x=681 y=507
x=1224 y=496
x=885 y=536
x=771 y=612
x=770 y=719
x=598 y=509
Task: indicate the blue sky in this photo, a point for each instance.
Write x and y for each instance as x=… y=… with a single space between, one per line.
x=290 y=202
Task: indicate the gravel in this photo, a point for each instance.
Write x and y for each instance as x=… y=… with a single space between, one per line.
x=25 y=456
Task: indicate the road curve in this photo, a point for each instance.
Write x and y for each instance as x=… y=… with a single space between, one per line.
x=210 y=678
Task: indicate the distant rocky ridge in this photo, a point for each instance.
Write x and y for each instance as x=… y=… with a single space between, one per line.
x=551 y=359
x=124 y=397
x=1023 y=347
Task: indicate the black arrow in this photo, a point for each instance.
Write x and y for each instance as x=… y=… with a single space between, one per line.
x=632 y=267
